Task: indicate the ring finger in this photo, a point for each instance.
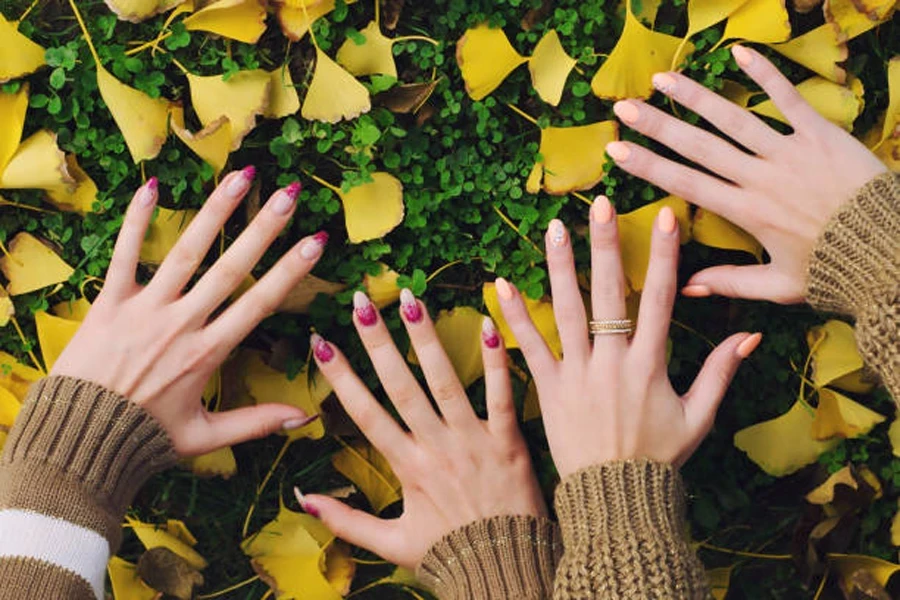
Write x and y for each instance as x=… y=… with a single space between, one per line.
x=607 y=278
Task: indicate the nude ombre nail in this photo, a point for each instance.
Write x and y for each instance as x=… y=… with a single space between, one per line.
x=489 y=334
x=627 y=112
x=298 y=423
x=321 y=348
x=664 y=82
x=148 y=193
x=238 y=183
x=314 y=246
x=409 y=306
x=601 y=210
x=152 y=184
x=364 y=310
x=504 y=289
x=750 y=344
x=557 y=233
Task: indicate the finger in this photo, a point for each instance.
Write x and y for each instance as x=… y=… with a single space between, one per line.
x=266 y=295
x=535 y=350
x=249 y=423
x=699 y=188
x=568 y=308
x=354 y=526
x=779 y=88
x=659 y=287
x=736 y=122
x=372 y=419
x=233 y=267
x=187 y=254
x=607 y=278
x=123 y=265
x=399 y=383
x=706 y=393
x=755 y=282
x=443 y=382
x=501 y=410
x=693 y=143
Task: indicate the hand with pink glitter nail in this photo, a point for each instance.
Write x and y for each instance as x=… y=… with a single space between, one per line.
x=156 y=344
x=455 y=469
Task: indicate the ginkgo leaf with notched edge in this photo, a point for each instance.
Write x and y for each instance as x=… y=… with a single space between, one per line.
x=861 y=480
x=855 y=17
x=143 y=121
x=572 y=158
x=241 y=20
x=406 y=98
x=719 y=581
x=37 y=163
x=16 y=377
x=372 y=57
x=540 y=311
x=820 y=50
x=30 y=265
x=218 y=463
x=764 y=21
x=370 y=472
x=846 y=565
x=712 y=230
x=212 y=143
x=19 y=56
x=459 y=331
x=174 y=535
x=635 y=231
x=7 y=308
x=373 y=209
x=241 y=99
x=13 y=107
x=297 y=16
x=299 y=299
x=135 y=11
x=550 y=66
x=703 y=14
x=283 y=98
x=485 y=58
x=163 y=233
x=74 y=310
x=334 y=94
x=839 y=416
x=78 y=197
x=382 y=288
x=835 y=360
x=54 y=334
x=126 y=585
x=837 y=103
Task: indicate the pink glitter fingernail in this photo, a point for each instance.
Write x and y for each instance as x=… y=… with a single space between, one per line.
x=364 y=309
x=409 y=306
x=321 y=348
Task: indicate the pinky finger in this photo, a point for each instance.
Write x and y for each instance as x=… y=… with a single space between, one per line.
x=500 y=408
x=354 y=526
x=123 y=266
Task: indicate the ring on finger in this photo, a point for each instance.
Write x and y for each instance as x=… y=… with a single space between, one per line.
x=611 y=326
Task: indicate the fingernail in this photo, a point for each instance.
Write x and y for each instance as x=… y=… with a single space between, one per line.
x=238 y=184
x=321 y=348
x=321 y=238
x=410 y=308
x=750 y=344
x=618 y=151
x=626 y=111
x=742 y=56
x=364 y=309
x=313 y=247
x=557 y=233
x=148 y=194
x=299 y=496
x=664 y=82
x=504 y=290
x=249 y=172
x=489 y=334
x=696 y=291
x=601 y=210
x=293 y=190
x=298 y=423
x=283 y=201
x=666 y=220
x=311 y=510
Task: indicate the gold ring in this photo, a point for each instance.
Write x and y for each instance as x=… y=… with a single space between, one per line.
x=610 y=326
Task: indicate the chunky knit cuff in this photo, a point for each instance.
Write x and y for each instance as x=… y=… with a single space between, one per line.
x=623 y=528
x=80 y=452
x=502 y=558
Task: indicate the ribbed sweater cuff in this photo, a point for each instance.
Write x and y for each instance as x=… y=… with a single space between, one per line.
x=508 y=557
x=80 y=452
x=623 y=529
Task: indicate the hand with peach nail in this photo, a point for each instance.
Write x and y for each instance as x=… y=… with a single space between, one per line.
x=158 y=345
x=455 y=468
x=611 y=399
x=783 y=191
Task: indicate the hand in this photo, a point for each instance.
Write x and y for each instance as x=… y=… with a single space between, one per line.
x=783 y=194
x=455 y=469
x=613 y=401
x=156 y=345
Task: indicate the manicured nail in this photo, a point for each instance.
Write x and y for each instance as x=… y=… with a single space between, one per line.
x=666 y=220
x=618 y=151
x=321 y=238
x=293 y=190
x=742 y=56
x=148 y=194
x=299 y=496
x=249 y=172
x=696 y=291
x=313 y=247
x=238 y=184
x=750 y=344
x=409 y=306
x=626 y=111
x=364 y=309
x=283 y=201
x=601 y=210
x=504 y=289
x=310 y=509
x=489 y=334
x=664 y=82
x=298 y=423
x=321 y=348
x=557 y=233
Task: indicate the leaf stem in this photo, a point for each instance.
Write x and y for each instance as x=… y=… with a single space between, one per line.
x=84 y=31
x=512 y=225
x=415 y=38
x=583 y=198
x=322 y=182
x=262 y=485
x=26 y=343
x=522 y=113
x=745 y=554
x=27 y=12
x=5 y=202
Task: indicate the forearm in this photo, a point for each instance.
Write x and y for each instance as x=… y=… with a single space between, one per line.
x=70 y=467
x=623 y=527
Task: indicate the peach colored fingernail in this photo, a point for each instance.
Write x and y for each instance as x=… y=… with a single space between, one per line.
x=321 y=348
x=314 y=246
x=148 y=194
x=409 y=306
x=298 y=423
x=557 y=233
x=664 y=82
x=489 y=334
x=504 y=290
x=619 y=151
x=626 y=111
x=601 y=210
x=742 y=56
x=750 y=344
x=666 y=220
x=696 y=291
x=364 y=309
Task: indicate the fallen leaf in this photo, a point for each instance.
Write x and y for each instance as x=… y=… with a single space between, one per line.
x=635 y=231
x=37 y=163
x=819 y=50
x=382 y=288
x=855 y=17
x=143 y=121
x=283 y=98
x=459 y=331
x=374 y=56
x=370 y=472
x=9 y=409
x=550 y=66
x=372 y=209
x=858 y=480
x=13 y=107
x=712 y=230
x=163 y=233
x=241 y=20
x=719 y=581
x=572 y=158
x=212 y=143
x=299 y=299
x=218 y=463
x=166 y=572
x=174 y=535
x=835 y=360
x=485 y=58
x=241 y=99
x=531 y=407
x=79 y=198
x=764 y=21
x=837 y=103
x=540 y=311
x=126 y=585
x=703 y=14
x=16 y=377
x=839 y=416
x=30 y=265
x=19 y=56
x=54 y=334
x=7 y=308
x=135 y=11
x=406 y=98
x=296 y=19
x=805 y=6
x=73 y=310
x=845 y=565
x=334 y=94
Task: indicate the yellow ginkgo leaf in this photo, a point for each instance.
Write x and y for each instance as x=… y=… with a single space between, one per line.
x=712 y=230
x=372 y=57
x=54 y=334
x=267 y=385
x=81 y=198
x=382 y=288
x=703 y=14
x=855 y=17
x=245 y=95
x=174 y=536
x=783 y=445
x=163 y=232
x=302 y=296
x=837 y=103
x=485 y=58
x=839 y=416
x=299 y=558
x=218 y=463
x=16 y=377
x=143 y=121
x=30 y=265
x=126 y=585
x=370 y=472
x=846 y=565
x=894 y=436
x=373 y=209
x=241 y=20
x=12 y=117
x=19 y=56
x=333 y=93
x=7 y=308
x=296 y=19
x=540 y=311
x=835 y=360
x=73 y=310
x=283 y=98
x=848 y=476
x=719 y=581
x=550 y=66
x=638 y=55
x=136 y=11
x=819 y=50
x=459 y=331
x=9 y=409
x=531 y=407
x=572 y=158
x=635 y=231
x=37 y=163
x=764 y=21
x=212 y=143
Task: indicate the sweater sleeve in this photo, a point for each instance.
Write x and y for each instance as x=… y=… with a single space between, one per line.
x=501 y=558
x=71 y=465
x=624 y=532
x=855 y=270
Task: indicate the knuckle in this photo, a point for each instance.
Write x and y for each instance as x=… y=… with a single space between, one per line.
x=664 y=296
x=445 y=389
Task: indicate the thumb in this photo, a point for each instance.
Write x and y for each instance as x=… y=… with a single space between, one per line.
x=352 y=525
x=252 y=422
x=756 y=282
